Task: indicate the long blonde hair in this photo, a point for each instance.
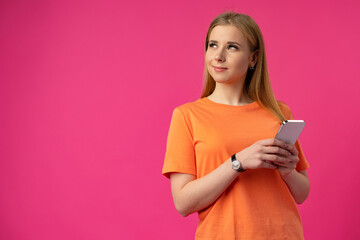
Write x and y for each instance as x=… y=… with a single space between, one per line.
x=257 y=83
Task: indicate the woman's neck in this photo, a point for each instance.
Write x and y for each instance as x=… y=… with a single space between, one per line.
x=229 y=94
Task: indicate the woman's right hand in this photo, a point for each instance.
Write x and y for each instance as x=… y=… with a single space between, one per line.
x=266 y=153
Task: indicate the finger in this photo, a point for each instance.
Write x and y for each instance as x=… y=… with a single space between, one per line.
x=292 y=148
x=268 y=165
x=290 y=163
x=277 y=150
x=283 y=164
x=274 y=141
x=289 y=160
x=274 y=158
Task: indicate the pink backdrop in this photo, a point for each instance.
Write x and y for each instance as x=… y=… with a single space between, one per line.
x=87 y=92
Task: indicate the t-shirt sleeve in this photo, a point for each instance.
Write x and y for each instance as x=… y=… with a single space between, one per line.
x=302 y=164
x=180 y=154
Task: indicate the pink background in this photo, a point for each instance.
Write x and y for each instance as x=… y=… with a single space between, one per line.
x=88 y=88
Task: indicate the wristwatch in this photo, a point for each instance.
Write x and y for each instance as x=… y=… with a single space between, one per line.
x=236 y=165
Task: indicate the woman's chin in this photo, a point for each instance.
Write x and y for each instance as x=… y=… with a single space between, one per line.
x=223 y=80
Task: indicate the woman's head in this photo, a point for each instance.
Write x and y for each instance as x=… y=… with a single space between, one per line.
x=228 y=55
x=257 y=84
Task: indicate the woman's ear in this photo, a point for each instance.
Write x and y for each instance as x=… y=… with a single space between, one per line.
x=254 y=58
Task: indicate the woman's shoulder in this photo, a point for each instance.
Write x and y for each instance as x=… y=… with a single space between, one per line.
x=189 y=106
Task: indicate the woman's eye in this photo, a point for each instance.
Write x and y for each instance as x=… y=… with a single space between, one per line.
x=212 y=45
x=233 y=47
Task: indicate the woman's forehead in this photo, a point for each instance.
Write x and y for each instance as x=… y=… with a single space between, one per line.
x=226 y=33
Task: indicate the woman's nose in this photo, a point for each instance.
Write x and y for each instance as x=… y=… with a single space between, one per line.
x=219 y=56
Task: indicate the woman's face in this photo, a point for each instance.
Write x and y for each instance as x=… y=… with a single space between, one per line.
x=228 y=56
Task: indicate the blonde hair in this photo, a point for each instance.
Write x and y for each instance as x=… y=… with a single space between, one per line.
x=257 y=83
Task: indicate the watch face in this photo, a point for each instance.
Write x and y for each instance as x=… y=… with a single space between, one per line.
x=236 y=165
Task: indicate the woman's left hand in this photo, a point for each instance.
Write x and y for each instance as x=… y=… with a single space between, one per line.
x=285 y=168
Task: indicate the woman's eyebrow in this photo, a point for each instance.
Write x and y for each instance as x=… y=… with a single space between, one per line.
x=236 y=43
x=229 y=42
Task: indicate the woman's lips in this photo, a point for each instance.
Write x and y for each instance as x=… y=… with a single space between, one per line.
x=219 y=69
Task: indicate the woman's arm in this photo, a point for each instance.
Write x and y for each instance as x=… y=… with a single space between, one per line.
x=191 y=195
x=298 y=184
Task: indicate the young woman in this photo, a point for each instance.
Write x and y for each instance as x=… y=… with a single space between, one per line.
x=222 y=158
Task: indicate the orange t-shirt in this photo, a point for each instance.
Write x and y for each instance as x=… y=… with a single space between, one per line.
x=258 y=205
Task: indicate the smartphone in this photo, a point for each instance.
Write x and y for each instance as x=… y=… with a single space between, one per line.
x=290 y=130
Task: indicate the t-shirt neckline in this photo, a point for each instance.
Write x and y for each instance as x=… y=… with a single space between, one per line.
x=252 y=105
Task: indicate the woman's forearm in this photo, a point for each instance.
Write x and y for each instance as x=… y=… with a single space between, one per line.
x=298 y=184
x=200 y=193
